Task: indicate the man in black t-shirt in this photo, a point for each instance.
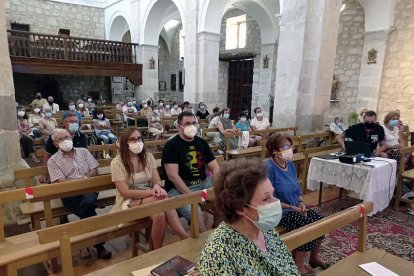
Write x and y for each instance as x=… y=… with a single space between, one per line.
x=367 y=132
x=186 y=158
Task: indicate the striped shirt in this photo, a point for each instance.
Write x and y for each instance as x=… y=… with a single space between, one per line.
x=67 y=167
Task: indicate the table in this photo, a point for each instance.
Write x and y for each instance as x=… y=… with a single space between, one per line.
x=350 y=265
x=374 y=181
x=188 y=248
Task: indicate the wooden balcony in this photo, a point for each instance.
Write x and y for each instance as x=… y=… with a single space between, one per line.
x=36 y=53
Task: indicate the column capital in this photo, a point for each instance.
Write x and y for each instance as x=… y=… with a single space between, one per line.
x=209 y=36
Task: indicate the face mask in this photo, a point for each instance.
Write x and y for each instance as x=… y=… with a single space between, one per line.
x=36 y=110
x=48 y=114
x=156 y=111
x=71 y=107
x=136 y=148
x=190 y=131
x=167 y=106
x=145 y=105
x=129 y=104
x=73 y=127
x=202 y=107
x=80 y=105
x=259 y=115
x=243 y=120
x=21 y=113
x=134 y=102
x=89 y=100
x=161 y=104
x=66 y=145
x=100 y=116
x=269 y=215
x=38 y=97
x=50 y=102
x=369 y=125
x=175 y=106
x=226 y=116
x=393 y=123
x=287 y=154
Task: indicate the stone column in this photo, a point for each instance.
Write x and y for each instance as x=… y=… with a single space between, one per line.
x=10 y=157
x=371 y=74
x=207 y=69
x=307 y=45
x=149 y=87
x=190 y=51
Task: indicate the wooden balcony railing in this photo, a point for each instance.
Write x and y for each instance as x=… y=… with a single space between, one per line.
x=27 y=44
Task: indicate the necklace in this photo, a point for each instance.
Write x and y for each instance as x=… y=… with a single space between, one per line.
x=284 y=166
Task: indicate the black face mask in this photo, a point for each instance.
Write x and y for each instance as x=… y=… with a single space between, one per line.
x=50 y=102
x=38 y=97
x=369 y=125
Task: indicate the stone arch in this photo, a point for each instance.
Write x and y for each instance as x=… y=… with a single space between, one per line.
x=379 y=14
x=263 y=11
x=118 y=27
x=159 y=12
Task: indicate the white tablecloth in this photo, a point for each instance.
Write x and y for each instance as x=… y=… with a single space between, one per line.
x=374 y=181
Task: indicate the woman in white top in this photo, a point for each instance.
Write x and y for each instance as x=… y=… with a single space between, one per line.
x=259 y=122
x=154 y=123
x=135 y=175
x=175 y=110
x=34 y=120
x=393 y=140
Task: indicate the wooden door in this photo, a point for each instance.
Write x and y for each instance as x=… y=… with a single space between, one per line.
x=239 y=95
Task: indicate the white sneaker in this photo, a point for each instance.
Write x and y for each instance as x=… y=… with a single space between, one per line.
x=220 y=152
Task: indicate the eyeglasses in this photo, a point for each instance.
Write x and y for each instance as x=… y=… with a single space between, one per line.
x=190 y=124
x=134 y=140
x=286 y=147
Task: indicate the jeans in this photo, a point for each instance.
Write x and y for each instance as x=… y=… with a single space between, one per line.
x=82 y=205
x=185 y=211
x=107 y=137
x=36 y=132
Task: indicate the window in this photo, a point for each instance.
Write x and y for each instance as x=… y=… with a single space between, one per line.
x=182 y=44
x=20 y=27
x=236 y=32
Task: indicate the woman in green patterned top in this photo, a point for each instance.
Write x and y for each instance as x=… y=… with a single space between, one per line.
x=246 y=243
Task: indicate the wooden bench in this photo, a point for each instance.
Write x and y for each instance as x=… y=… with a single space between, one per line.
x=191 y=248
x=23 y=250
x=403 y=174
x=305 y=138
x=65 y=234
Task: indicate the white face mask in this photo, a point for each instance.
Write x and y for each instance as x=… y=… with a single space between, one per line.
x=269 y=215
x=259 y=115
x=80 y=105
x=136 y=148
x=21 y=113
x=89 y=100
x=72 y=107
x=243 y=120
x=66 y=145
x=161 y=104
x=145 y=105
x=202 y=107
x=287 y=154
x=167 y=106
x=100 y=116
x=175 y=106
x=190 y=131
x=48 y=114
x=36 y=110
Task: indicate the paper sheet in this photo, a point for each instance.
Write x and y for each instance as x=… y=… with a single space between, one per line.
x=376 y=269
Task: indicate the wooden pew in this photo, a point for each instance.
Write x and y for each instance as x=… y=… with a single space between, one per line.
x=24 y=249
x=191 y=249
x=403 y=174
x=67 y=232
x=304 y=139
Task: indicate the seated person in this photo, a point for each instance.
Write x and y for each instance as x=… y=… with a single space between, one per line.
x=130 y=113
x=246 y=243
x=102 y=127
x=154 y=123
x=71 y=163
x=393 y=136
x=175 y=110
x=367 y=132
x=72 y=107
x=337 y=126
x=362 y=115
x=89 y=103
x=134 y=172
x=282 y=174
x=146 y=109
x=47 y=124
x=259 y=122
x=213 y=115
x=225 y=126
x=244 y=125
x=216 y=135
x=51 y=104
x=202 y=112
x=185 y=158
x=25 y=134
x=38 y=101
x=34 y=119
x=82 y=109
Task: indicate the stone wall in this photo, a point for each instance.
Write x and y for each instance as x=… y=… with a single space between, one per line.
x=397 y=86
x=253 y=45
x=348 y=60
x=70 y=87
x=170 y=63
x=48 y=17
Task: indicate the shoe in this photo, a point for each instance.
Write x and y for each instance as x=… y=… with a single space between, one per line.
x=323 y=266
x=309 y=273
x=85 y=253
x=64 y=219
x=103 y=253
x=220 y=152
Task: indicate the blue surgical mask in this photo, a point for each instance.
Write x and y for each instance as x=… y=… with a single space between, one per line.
x=269 y=215
x=226 y=116
x=73 y=127
x=393 y=123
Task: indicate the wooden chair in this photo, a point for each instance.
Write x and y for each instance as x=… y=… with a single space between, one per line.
x=403 y=174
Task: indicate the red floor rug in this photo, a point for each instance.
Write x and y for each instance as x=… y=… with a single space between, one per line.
x=389 y=230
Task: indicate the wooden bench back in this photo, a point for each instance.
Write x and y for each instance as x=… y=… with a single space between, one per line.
x=404 y=152
x=63 y=233
x=312 y=152
x=326 y=135
x=270 y=131
x=312 y=231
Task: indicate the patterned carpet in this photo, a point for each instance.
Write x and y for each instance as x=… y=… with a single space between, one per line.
x=389 y=230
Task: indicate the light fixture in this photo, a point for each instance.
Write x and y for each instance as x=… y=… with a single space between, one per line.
x=342 y=7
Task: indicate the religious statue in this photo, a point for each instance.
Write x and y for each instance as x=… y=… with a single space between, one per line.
x=152 y=63
x=334 y=88
x=372 y=56
x=265 y=62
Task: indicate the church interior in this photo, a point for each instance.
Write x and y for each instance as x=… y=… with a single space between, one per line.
x=332 y=79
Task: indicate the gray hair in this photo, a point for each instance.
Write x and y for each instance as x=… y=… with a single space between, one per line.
x=56 y=131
